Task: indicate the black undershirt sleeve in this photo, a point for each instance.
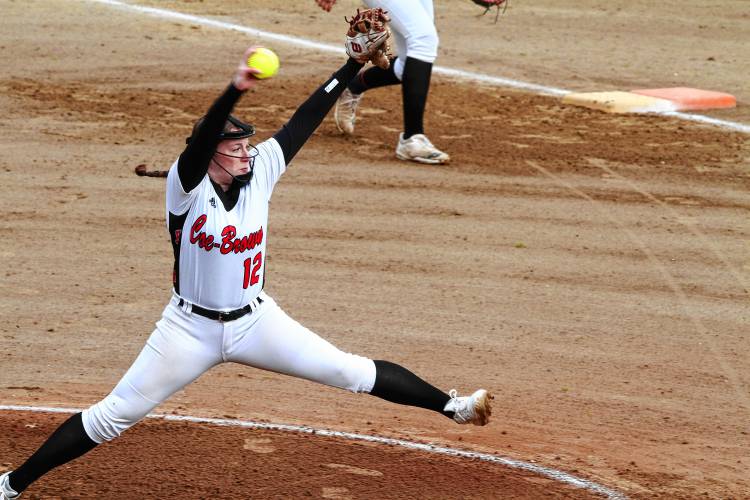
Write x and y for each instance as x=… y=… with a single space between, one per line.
x=310 y=114
x=194 y=160
x=193 y=163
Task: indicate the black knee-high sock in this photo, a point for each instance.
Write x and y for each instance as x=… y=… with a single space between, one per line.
x=396 y=384
x=68 y=442
x=414 y=88
x=372 y=78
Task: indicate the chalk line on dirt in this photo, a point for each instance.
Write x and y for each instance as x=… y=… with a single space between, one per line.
x=455 y=73
x=557 y=475
x=732 y=376
x=691 y=226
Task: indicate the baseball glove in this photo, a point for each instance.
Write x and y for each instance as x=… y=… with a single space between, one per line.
x=367 y=37
x=488 y=4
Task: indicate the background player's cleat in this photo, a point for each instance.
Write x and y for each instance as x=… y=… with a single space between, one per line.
x=6 y=493
x=419 y=148
x=474 y=409
x=345 y=113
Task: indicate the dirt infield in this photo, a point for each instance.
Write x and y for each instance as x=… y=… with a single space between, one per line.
x=591 y=270
x=227 y=462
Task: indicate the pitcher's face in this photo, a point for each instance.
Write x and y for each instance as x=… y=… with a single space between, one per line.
x=235 y=155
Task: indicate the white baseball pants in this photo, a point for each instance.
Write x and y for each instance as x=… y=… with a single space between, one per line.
x=413 y=27
x=185 y=345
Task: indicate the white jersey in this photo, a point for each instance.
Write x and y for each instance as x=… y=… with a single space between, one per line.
x=220 y=254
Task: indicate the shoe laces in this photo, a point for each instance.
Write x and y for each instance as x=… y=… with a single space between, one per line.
x=424 y=140
x=462 y=406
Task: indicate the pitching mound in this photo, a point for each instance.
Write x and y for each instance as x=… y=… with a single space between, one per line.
x=229 y=462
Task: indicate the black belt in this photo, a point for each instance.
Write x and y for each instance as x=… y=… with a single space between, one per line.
x=224 y=316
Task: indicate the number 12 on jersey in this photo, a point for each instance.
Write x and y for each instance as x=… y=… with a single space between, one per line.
x=252 y=266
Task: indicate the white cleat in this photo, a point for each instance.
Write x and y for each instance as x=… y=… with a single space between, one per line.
x=474 y=409
x=419 y=148
x=345 y=113
x=6 y=492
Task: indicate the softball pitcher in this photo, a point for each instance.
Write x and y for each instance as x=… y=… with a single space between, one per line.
x=217 y=200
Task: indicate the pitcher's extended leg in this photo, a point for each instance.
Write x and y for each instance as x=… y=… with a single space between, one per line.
x=278 y=343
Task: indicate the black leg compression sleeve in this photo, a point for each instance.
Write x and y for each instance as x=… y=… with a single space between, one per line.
x=372 y=78
x=416 y=84
x=396 y=384
x=68 y=442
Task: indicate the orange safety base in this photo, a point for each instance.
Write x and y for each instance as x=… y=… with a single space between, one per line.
x=686 y=98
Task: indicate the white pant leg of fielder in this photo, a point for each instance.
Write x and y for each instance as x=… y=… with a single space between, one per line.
x=277 y=343
x=412 y=23
x=180 y=349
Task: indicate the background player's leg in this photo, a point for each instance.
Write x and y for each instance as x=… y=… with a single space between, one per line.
x=373 y=78
x=413 y=20
x=345 y=112
x=346 y=106
x=416 y=85
x=180 y=349
x=422 y=44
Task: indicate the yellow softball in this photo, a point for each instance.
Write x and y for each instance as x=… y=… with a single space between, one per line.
x=265 y=61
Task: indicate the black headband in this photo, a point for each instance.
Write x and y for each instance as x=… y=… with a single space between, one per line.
x=245 y=130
